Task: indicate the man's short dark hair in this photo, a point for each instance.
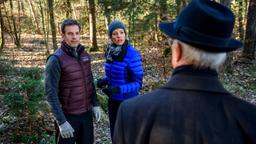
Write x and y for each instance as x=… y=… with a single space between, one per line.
x=69 y=22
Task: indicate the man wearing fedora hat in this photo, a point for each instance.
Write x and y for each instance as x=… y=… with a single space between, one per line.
x=193 y=107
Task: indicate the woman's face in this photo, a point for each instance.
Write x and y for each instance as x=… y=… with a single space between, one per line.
x=118 y=36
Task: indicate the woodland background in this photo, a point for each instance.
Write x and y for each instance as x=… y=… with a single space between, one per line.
x=29 y=32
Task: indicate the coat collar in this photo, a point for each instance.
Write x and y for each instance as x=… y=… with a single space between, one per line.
x=189 y=78
x=68 y=50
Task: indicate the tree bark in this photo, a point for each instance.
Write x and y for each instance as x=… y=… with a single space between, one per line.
x=92 y=17
x=107 y=14
x=52 y=22
x=69 y=9
x=229 y=60
x=163 y=9
x=22 y=7
x=19 y=19
x=2 y=30
x=74 y=12
x=241 y=19
x=43 y=26
x=15 y=32
x=2 y=1
x=250 y=41
x=36 y=23
x=8 y=27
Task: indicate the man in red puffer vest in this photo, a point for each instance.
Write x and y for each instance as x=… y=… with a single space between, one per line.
x=70 y=89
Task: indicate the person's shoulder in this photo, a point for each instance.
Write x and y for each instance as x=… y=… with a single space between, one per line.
x=52 y=58
x=240 y=104
x=133 y=54
x=132 y=50
x=151 y=98
x=53 y=62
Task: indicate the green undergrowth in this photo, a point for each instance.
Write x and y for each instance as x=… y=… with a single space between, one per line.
x=24 y=98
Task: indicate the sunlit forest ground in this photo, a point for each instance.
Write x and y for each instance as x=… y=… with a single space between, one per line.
x=31 y=58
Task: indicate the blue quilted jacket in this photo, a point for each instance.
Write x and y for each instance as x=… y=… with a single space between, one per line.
x=126 y=74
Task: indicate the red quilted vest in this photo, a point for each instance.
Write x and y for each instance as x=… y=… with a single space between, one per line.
x=76 y=82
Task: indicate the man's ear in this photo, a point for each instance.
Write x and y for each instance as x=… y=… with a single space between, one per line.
x=62 y=36
x=179 y=51
x=176 y=53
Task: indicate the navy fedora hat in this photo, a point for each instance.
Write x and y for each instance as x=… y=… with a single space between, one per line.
x=204 y=24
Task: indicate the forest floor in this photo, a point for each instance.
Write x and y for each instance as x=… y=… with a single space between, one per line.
x=241 y=82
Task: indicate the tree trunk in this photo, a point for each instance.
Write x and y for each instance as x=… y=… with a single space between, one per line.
x=93 y=25
x=163 y=16
x=131 y=24
x=36 y=23
x=47 y=23
x=228 y=63
x=107 y=21
x=52 y=22
x=44 y=31
x=73 y=10
x=163 y=10
x=8 y=28
x=19 y=19
x=241 y=19
x=107 y=14
x=2 y=1
x=250 y=41
x=2 y=30
x=22 y=7
x=15 y=32
x=69 y=9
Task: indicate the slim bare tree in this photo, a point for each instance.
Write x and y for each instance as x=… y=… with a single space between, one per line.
x=2 y=1
x=241 y=9
x=250 y=35
x=36 y=23
x=43 y=26
x=52 y=22
x=15 y=29
x=69 y=9
x=2 y=30
x=228 y=63
x=92 y=17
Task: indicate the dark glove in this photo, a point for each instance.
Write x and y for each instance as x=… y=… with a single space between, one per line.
x=111 y=91
x=101 y=83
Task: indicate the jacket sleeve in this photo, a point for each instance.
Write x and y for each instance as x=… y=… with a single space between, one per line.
x=52 y=78
x=95 y=101
x=136 y=73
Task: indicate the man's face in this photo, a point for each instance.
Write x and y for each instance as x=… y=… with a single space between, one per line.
x=71 y=35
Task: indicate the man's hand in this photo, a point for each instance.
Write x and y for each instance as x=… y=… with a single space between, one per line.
x=66 y=130
x=97 y=113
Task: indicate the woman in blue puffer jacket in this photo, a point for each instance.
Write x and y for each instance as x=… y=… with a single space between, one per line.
x=123 y=70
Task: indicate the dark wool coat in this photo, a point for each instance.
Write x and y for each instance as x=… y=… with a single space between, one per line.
x=192 y=108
